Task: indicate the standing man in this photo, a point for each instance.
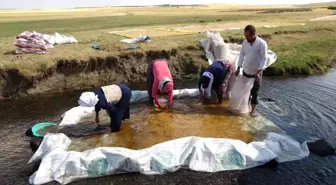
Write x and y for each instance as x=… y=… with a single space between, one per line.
x=253 y=58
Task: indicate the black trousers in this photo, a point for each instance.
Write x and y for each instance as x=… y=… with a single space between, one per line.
x=255 y=89
x=150 y=81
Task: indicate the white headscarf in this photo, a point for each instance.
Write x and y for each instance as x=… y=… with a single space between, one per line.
x=88 y=99
x=207 y=91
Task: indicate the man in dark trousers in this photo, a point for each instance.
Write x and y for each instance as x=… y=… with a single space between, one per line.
x=253 y=58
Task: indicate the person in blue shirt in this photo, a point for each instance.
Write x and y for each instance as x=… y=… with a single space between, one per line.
x=115 y=99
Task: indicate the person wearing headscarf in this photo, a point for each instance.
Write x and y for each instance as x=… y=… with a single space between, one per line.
x=115 y=99
x=214 y=81
x=159 y=81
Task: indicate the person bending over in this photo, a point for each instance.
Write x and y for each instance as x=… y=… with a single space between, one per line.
x=159 y=81
x=115 y=99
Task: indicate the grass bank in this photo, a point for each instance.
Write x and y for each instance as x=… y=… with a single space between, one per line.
x=301 y=50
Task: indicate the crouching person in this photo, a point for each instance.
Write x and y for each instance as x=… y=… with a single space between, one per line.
x=115 y=99
x=214 y=81
x=159 y=81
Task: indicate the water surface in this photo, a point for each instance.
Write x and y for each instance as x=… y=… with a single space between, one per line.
x=304 y=107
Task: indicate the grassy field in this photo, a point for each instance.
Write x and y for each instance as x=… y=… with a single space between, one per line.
x=303 y=46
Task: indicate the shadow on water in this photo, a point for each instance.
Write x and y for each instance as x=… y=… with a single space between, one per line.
x=304 y=108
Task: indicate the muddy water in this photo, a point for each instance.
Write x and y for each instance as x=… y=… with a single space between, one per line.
x=304 y=107
x=149 y=126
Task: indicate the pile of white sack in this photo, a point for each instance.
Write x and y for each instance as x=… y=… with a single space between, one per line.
x=195 y=153
x=34 y=42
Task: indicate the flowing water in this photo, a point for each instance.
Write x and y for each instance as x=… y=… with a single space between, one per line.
x=303 y=107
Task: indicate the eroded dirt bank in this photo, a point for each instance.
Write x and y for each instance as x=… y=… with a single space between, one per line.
x=68 y=75
x=130 y=67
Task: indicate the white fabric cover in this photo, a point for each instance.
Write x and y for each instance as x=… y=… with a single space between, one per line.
x=195 y=153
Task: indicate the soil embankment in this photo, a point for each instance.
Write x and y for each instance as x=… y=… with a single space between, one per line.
x=184 y=62
x=69 y=75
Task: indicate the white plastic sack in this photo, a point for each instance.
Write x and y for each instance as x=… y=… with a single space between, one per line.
x=129 y=41
x=62 y=39
x=183 y=93
x=195 y=153
x=74 y=115
x=215 y=48
x=240 y=95
x=139 y=96
x=50 y=143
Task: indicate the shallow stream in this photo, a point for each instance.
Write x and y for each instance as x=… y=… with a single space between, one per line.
x=303 y=107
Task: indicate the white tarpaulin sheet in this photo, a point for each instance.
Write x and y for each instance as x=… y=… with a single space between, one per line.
x=195 y=153
x=74 y=115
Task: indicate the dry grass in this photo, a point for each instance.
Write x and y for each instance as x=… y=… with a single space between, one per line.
x=95 y=25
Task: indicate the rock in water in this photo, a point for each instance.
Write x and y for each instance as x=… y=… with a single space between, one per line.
x=321 y=148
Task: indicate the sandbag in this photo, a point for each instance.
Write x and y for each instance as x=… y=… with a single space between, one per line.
x=74 y=115
x=50 y=143
x=195 y=153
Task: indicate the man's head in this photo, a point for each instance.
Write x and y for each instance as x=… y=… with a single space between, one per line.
x=250 y=33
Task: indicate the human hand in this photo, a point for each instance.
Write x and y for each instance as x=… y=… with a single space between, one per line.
x=257 y=76
x=160 y=106
x=97 y=120
x=200 y=98
x=237 y=72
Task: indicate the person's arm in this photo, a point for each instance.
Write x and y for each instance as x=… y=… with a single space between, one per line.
x=241 y=56
x=263 y=59
x=110 y=107
x=199 y=84
x=229 y=72
x=170 y=97
x=97 y=109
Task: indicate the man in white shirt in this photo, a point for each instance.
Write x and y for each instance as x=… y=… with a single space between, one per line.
x=253 y=57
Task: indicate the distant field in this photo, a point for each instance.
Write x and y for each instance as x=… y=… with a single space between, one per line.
x=109 y=25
